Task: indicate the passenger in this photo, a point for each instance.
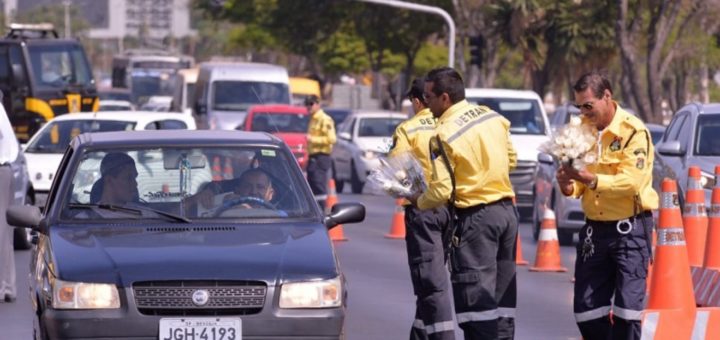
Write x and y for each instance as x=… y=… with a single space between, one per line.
x=254 y=183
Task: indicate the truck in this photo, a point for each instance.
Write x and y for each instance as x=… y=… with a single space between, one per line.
x=148 y=73
x=42 y=76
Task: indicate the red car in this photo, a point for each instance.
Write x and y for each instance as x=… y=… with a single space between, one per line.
x=289 y=123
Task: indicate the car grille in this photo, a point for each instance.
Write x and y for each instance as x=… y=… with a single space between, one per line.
x=175 y=297
x=524 y=172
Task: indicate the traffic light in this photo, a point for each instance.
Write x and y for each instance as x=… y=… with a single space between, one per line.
x=477 y=45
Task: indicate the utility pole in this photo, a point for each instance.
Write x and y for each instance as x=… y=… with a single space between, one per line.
x=427 y=9
x=66 y=3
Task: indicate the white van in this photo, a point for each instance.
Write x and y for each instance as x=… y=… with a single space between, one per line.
x=225 y=91
x=529 y=127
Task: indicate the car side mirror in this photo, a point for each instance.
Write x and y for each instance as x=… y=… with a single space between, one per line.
x=345 y=213
x=671 y=148
x=24 y=216
x=545 y=158
x=344 y=135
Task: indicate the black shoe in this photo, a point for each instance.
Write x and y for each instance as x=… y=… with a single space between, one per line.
x=9 y=298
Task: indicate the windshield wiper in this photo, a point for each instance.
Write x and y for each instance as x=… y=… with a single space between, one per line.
x=135 y=209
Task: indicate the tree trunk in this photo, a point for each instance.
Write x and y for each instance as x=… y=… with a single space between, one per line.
x=704 y=75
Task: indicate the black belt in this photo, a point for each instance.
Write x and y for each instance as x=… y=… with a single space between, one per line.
x=478 y=207
x=646 y=214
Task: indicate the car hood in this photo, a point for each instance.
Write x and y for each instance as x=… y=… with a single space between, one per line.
x=127 y=254
x=377 y=144
x=293 y=139
x=526 y=146
x=227 y=120
x=45 y=164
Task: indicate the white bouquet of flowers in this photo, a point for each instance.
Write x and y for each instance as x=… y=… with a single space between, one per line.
x=399 y=176
x=573 y=144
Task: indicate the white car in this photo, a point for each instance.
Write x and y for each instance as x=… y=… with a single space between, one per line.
x=45 y=149
x=361 y=138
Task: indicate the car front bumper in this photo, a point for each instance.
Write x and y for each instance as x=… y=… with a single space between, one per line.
x=128 y=323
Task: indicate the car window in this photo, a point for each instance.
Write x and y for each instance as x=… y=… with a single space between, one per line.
x=707 y=140
x=525 y=115
x=674 y=129
x=280 y=122
x=56 y=136
x=377 y=127
x=172 y=179
x=167 y=124
x=684 y=133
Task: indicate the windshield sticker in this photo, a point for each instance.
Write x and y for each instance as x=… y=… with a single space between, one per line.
x=159 y=195
x=268 y=153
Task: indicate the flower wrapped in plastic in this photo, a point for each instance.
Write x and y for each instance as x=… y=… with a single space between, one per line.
x=399 y=176
x=574 y=144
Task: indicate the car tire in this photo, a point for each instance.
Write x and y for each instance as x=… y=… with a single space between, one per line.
x=355 y=182
x=22 y=238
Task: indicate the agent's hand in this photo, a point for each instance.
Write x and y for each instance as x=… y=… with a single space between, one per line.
x=564 y=180
x=582 y=175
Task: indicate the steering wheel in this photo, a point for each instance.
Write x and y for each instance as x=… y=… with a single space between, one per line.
x=234 y=202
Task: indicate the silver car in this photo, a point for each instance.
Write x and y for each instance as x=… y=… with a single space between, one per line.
x=23 y=194
x=691 y=139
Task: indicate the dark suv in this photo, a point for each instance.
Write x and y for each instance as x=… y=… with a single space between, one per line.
x=184 y=235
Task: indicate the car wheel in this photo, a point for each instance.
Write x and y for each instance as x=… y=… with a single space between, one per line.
x=355 y=182
x=22 y=238
x=339 y=184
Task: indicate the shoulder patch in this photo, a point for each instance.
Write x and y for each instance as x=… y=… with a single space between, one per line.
x=637 y=152
x=615 y=145
x=640 y=163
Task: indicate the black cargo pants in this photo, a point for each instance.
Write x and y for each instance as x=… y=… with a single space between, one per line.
x=317 y=172
x=423 y=238
x=618 y=267
x=483 y=270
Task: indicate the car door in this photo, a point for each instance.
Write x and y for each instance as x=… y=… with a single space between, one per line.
x=672 y=166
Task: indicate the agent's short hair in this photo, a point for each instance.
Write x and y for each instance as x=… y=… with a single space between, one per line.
x=416 y=90
x=447 y=80
x=595 y=81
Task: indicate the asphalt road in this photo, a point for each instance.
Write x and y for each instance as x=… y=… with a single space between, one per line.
x=381 y=304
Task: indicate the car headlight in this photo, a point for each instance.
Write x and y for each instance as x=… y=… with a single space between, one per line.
x=314 y=294
x=707 y=181
x=369 y=154
x=81 y=295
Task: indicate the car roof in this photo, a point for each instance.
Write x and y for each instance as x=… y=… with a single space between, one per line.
x=377 y=113
x=279 y=108
x=127 y=116
x=244 y=71
x=174 y=137
x=500 y=93
x=708 y=109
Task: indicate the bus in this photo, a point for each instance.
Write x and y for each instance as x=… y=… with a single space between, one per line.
x=148 y=73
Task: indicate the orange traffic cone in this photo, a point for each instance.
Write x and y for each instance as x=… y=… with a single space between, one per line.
x=710 y=277
x=695 y=219
x=548 y=247
x=671 y=286
x=519 y=260
x=216 y=171
x=712 y=248
x=228 y=169
x=397 y=229
x=336 y=233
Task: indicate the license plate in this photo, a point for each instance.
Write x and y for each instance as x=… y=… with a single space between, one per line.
x=200 y=329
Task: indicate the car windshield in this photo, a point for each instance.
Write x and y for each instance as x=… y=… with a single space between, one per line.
x=239 y=95
x=56 y=135
x=279 y=122
x=378 y=127
x=707 y=142
x=524 y=115
x=147 y=83
x=251 y=183
x=57 y=66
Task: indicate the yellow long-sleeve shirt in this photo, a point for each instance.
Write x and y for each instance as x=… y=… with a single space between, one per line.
x=321 y=133
x=477 y=142
x=624 y=170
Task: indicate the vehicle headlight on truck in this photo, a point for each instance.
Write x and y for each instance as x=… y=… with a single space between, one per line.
x=312 y=294
x=81 y=295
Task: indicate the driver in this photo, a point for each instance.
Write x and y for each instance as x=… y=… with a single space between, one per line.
x=254 y=182
x=119 y=179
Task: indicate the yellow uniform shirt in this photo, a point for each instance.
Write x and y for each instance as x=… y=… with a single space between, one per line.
x=624 y=170
x=477 y=142
x=413 y=135
x=321 y=133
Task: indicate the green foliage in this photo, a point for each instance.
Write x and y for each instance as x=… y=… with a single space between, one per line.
x=343 y=52
x=429 y=57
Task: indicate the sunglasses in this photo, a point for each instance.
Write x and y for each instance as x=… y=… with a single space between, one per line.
x=587 y=106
